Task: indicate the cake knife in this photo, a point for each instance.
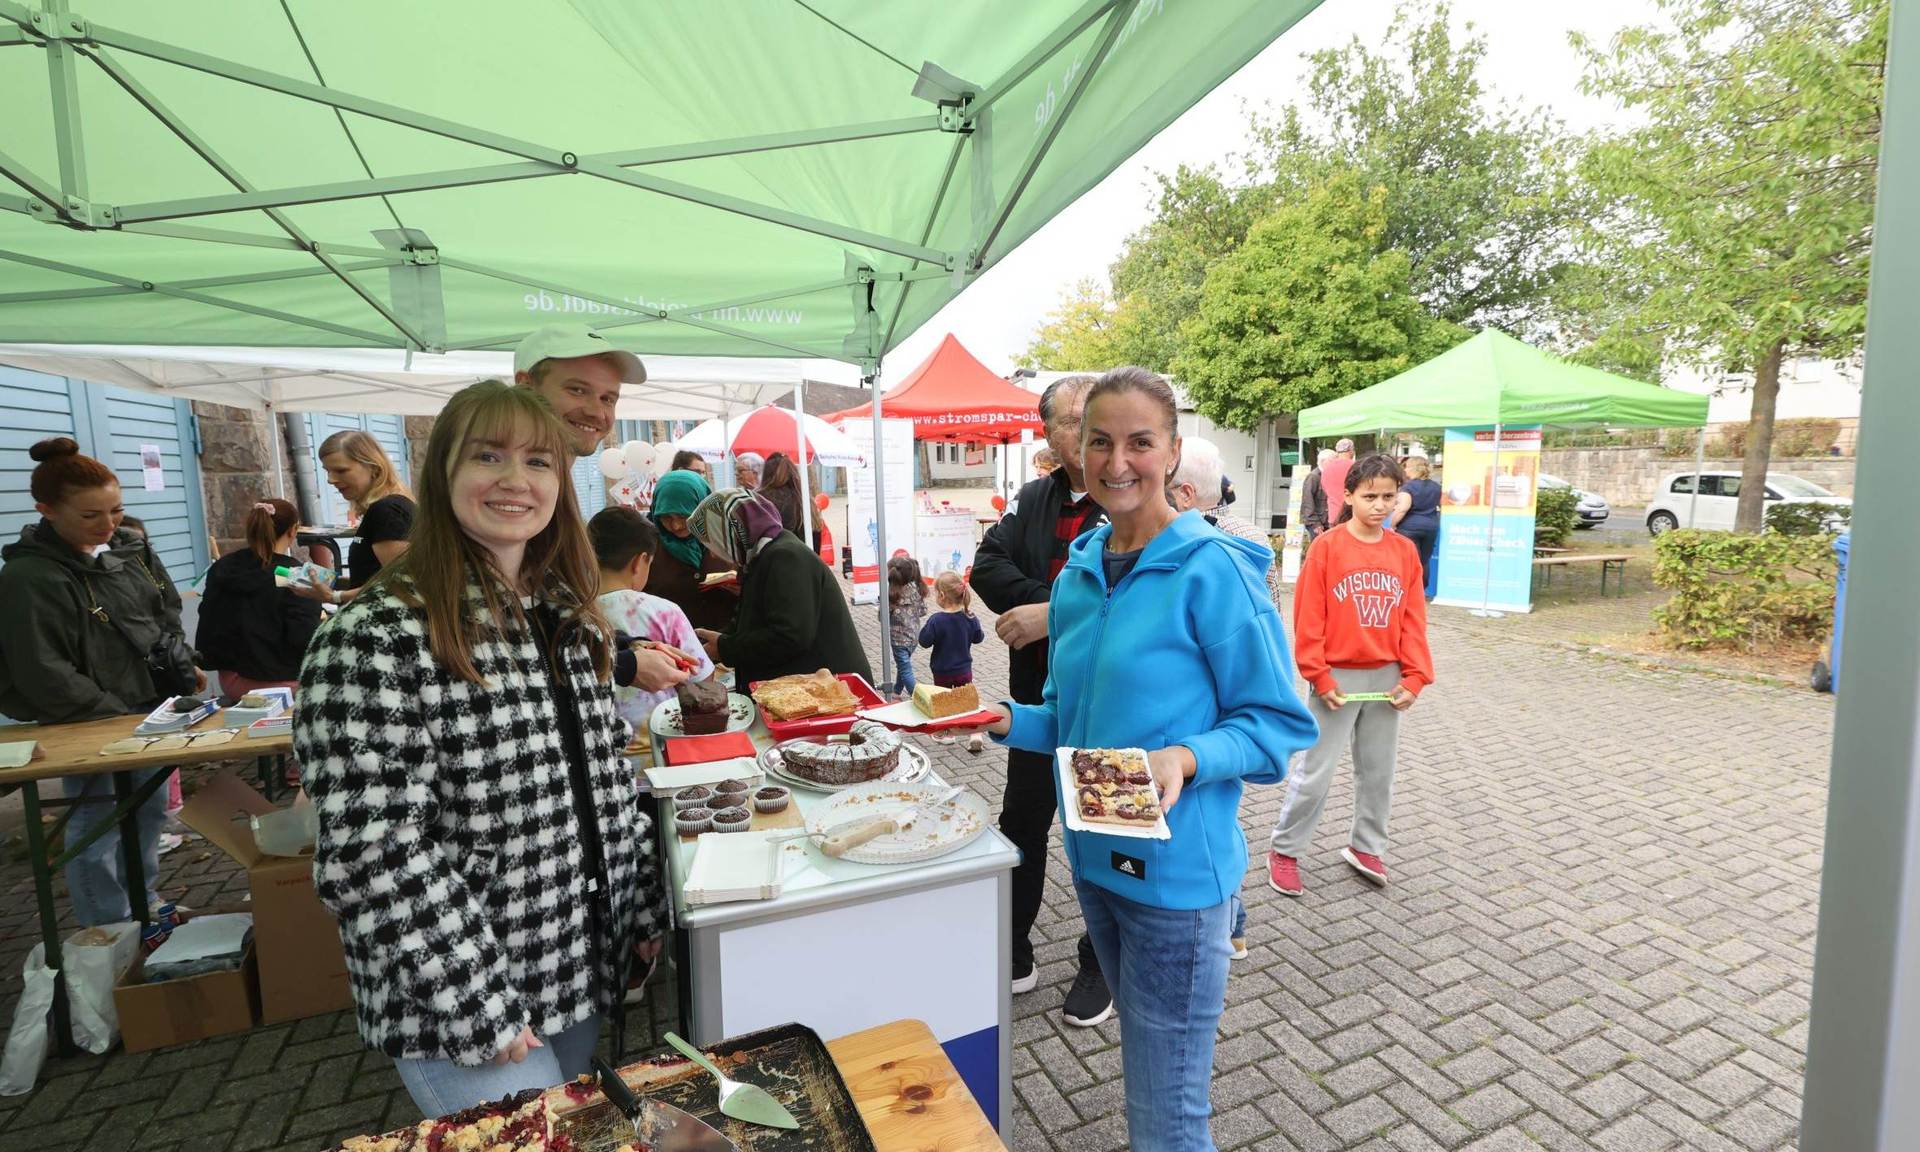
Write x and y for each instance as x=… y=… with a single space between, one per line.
x=661 y=1127
x=847 y=837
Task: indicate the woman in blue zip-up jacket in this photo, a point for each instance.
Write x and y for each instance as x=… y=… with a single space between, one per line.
x=1163 y=638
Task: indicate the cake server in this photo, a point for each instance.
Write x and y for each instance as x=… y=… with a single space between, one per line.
x=847 y=837
x=661 y=1127
x=745 y=1102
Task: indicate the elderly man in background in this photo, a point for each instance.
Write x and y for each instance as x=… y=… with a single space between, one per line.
x=1197 y=485
x=747 y=467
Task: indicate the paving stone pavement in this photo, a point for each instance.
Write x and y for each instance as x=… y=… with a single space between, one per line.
x=1599 y=936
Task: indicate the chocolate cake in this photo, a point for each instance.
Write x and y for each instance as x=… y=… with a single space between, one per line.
x=703 y=707
x=868 y=752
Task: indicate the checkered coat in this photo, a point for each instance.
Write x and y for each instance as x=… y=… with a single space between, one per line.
x=448 y=848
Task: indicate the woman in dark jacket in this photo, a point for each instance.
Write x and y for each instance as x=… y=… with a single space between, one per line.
x=683 y=559
x=1416 y=513
x=251 y=628
x=90 y=627
x=793 y=617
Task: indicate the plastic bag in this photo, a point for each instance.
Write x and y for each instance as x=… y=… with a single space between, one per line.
x=290 y=831
x=27 y=1041
x=96 y=958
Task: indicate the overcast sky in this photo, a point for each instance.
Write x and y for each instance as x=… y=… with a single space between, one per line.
x=1528 y=61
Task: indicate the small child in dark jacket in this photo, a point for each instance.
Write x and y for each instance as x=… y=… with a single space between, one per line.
x=951 y=633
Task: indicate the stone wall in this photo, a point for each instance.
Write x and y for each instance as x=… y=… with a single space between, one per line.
x=1627 y=477
x=236 y=468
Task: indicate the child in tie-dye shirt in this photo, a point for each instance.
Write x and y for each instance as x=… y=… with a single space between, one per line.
x=624 y=542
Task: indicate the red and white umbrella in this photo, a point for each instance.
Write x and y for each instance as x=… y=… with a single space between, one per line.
x=769 y=430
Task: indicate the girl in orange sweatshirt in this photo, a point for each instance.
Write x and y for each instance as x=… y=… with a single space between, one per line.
x=1360 y=629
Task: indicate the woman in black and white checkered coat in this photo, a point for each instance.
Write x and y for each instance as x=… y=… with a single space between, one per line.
x=481 y=840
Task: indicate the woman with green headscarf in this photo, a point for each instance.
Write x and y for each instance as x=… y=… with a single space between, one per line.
x=683 y=561
x=793 y=615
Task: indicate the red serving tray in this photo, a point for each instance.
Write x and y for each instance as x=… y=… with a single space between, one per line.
x=864 y=697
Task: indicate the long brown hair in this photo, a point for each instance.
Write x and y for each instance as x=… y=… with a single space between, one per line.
x=442 y=559
x=267 y=521
x=362 y=448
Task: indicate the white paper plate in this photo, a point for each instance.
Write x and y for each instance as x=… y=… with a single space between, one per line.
x=913 y=766
x=1070 y=806
x=673 y=777
x=905 y=715
x=665 y=721
x=934 y=832
x=735 y=866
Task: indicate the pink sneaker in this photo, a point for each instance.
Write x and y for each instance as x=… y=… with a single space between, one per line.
x=1368 y=865
x=1283 y=875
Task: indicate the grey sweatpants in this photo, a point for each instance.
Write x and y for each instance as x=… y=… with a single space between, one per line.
x=1373 y=729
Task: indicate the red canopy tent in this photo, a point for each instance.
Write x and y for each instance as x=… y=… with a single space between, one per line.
x=952 y=396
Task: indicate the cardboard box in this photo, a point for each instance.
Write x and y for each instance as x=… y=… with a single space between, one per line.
x=177 y=1011
x=303 y=969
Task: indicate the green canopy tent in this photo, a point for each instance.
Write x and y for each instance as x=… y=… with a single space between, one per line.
x=810 y=178
x=1494 y=379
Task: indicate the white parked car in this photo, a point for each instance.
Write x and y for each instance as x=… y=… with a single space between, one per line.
x=1592 y=509
x=1720 y=496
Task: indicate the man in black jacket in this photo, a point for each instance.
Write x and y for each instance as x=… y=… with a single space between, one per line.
x=1013 y=571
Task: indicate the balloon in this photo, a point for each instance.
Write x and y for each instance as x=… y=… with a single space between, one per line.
x=821 y=501
x=613 y=464
x=999 y=503
x=663 y=454
x=639 y=455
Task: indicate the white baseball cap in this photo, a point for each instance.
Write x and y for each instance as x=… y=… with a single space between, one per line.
x=565 y=341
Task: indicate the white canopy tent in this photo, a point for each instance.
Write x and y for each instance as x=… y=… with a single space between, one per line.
x=381 y=380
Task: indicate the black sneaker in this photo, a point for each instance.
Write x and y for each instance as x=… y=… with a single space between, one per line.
x=1088 y=1001
x=1025 y=979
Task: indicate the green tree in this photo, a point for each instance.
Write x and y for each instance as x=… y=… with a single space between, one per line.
x=1080 y=335
x=1478 y=192
x=1307 y=309
x=1739 y=213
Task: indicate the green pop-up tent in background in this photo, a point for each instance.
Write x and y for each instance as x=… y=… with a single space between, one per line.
x=1492 y=379
x=1494 y=394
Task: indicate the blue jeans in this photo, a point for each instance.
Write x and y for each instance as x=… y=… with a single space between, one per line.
x=1239 y=916
x=97 y=878
x=903 y=681
x=1168 y=973
x=439 y=1087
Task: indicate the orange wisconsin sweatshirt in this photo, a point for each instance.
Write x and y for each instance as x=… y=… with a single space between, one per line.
x=1360 y=605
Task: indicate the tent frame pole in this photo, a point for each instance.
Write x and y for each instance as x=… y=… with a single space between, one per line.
x=1116 y=20
x=884 y=670
x=800 y=460
x=504 y=173
x=376 y=338
x=1493 y=492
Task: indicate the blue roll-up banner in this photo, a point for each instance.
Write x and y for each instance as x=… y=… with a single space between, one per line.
x=1484 y=492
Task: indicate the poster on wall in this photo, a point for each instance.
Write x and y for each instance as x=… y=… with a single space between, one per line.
x=1486 y=518
x=151 y=471
x=863 y=518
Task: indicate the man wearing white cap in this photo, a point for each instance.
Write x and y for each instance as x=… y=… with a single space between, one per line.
x=580 y=373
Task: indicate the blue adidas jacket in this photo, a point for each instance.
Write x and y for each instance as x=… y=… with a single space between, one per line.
x=1186 y=650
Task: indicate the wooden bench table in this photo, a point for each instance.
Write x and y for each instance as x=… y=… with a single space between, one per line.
x=1614 y=563
x=908 y=1092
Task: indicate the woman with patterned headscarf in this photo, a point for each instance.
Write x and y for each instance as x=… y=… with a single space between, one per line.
x=793 y=615
x=682 y=560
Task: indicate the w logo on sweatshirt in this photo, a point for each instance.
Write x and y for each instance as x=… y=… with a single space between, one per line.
x=1373 y=594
